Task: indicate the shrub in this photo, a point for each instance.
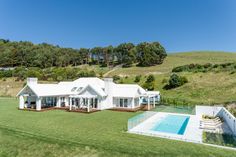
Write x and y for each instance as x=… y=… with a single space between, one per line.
x=150 y=78
x=5 y=73
x=137 y=78
x=50 y=79
x=175 y=81
x=101 y=74
x=116 y=78
x=149 y=83
x=164 y=81
x=219 y=139
x=205 y=67
x=183 y=80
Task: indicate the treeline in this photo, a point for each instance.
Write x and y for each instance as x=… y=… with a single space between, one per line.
x=224 y=67
x=47 y=74
x=27 y=54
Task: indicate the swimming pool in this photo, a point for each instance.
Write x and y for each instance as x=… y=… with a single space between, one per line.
x=175 y=124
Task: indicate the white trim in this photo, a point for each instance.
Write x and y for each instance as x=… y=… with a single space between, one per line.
x=91 y=88
x=18 y=94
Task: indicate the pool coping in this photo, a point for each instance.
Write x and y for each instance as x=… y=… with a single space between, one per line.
x=181 y=128
x=178 y=139
x=192 y=132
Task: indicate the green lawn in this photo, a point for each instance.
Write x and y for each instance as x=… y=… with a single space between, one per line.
x=60 y=133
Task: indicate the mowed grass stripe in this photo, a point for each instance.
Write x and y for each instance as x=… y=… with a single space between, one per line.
x=102 y=131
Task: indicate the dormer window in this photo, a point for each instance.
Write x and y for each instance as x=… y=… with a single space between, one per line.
x=73 y=89
x=79 y=89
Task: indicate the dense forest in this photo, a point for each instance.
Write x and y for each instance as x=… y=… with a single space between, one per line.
x=27 y=54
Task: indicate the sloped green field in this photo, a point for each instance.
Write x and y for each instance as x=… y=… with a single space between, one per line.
x=60 y=133
x=202 y=88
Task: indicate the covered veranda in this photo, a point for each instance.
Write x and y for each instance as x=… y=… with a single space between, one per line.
x=33 y=102
x=83 y=103
x=28 y=101
x=150 y=99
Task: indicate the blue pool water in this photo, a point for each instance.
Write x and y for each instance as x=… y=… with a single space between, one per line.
x=175 y=124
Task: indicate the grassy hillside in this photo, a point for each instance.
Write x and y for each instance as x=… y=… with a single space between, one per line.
x=178 y=59
x=203 y=88
x=207 y=88
x=60 y=133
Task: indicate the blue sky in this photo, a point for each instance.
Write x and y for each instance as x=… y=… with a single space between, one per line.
x=180 y=25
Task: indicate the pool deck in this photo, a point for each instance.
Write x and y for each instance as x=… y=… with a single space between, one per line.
x=192 y=132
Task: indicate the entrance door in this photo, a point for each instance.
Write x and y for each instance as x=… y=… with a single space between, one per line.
x=95 y=103
x=62 y=100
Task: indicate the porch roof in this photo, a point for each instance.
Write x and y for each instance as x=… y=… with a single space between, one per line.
x=151 y=93
x=46 y=90
x=83 y=96
x=127 y=90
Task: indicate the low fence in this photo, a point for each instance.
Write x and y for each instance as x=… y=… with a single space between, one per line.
x=136 y=120
x=175 y=109
x=177 y=101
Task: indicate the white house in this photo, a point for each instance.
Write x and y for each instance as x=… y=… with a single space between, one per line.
x=85 y=94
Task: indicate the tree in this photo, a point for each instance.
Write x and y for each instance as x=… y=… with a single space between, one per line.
x=84 y=55
x=108 y=55
x=97 y=54
x=45 y=55
x=126 y=54
x=149 y=54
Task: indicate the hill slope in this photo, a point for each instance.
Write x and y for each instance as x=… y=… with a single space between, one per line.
x=207 y=88
x=177 y=59
x=203 y=88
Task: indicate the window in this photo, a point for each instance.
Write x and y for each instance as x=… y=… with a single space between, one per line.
x=136 y=102
x=62 y=99
x=49 y=101
x=121 y=103
x=79 y=89
x=73 y=89
x=125 y=102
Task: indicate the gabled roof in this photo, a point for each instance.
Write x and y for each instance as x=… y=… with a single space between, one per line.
x=98 y=90
x=47 y=89
x=65 y=88
x=127 y=90
x=93 y=81
x=81 y=84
